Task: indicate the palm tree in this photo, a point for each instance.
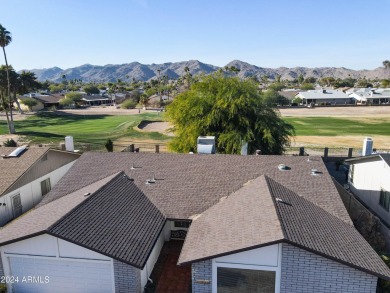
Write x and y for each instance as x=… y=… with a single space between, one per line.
x=5 y=40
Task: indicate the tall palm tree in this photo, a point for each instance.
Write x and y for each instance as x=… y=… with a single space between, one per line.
x=5 y=40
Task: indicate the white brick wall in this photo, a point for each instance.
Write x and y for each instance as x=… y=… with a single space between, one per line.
x=127 y=278
x=306 y=272
x=201 y=277
x=1 y=268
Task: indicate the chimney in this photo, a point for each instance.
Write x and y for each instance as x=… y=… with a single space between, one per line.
x=367 y=146
x=69 y=146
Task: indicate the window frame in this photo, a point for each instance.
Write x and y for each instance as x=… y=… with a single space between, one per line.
x=277 y=269
x=384 y=199
x=47 y=183
x=181 y=224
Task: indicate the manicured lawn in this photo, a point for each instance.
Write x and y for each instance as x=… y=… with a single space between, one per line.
x=52 y=128
x=328 y=126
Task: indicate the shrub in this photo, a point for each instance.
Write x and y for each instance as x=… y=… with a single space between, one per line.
x=29 y=102
x=10 y=143
x=109 y=145
x=128 y=104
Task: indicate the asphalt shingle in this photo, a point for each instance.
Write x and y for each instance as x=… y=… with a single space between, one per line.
x=14 y=167
x=187 y=185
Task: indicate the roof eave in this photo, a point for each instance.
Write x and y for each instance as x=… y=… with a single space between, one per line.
x=230 y=252
x=339 y=261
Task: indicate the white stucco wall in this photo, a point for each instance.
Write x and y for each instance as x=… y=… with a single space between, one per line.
x=265 y=258
x=30 y=194
x=145 y=273
x=368 y=180
x=49 y=247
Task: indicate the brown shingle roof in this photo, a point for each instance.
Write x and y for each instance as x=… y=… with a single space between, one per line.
x=14 y=167
x=266 y=212
x=188 y=185
x=310 y=227
x=117 y=220
x=245 y=219
x=38 y=220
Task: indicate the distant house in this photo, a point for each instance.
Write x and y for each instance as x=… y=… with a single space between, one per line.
x=96 y=100
x=43 y=101
x=249 y=224
x=289 y=94
x=325 y=97
x=26 y=175
x=371 y=96
x=369 y=180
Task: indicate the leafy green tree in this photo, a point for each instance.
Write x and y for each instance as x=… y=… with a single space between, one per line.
x=307 y=86
x=129 y=104
x=300 y=78
x=5 y=40
x=230 y=109
x=29 y=102
x=385 y=83
x=273 y=98
x=91 y=89
x=56 y=88
x=276 y=86
x=310 y=79
x=70 y=99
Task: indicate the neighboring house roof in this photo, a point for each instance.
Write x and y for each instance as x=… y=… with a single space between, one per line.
x=320 y=94
x=264 y=213
x=49 y=99
x=106 y=221
x=14 y=167
x=45 y=99
x=187 y=185
x=290 y=95
x=91 y=98
x=368 y=93
x=375 y=157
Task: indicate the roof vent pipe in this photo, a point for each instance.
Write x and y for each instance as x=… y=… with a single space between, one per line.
x=367 y=146
x=283 y=167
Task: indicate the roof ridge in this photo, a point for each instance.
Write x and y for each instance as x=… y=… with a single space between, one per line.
x=311 y=239
x=267 y=180
x=84 y=201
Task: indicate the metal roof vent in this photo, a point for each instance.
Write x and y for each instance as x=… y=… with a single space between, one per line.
x=17 y=151
x=87 y=194
x=151 y=181
x=315 y=172
x=283 y=167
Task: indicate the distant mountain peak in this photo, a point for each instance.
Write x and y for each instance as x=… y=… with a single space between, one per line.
x=138 y=71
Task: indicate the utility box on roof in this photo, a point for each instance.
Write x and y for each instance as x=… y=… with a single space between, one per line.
x=206 y=145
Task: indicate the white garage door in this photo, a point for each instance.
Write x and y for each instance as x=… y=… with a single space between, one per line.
x=42 y=275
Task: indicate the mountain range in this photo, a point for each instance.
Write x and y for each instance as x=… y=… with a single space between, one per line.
x=144 y=72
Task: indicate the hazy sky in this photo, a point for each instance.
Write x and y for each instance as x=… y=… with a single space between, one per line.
x=311 y=33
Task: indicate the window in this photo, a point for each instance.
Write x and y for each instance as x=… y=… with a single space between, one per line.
x=17 y=209
x=182 y=224
x=384 y=199
x=351 y=173
x=45 y=186
x=231 y=280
